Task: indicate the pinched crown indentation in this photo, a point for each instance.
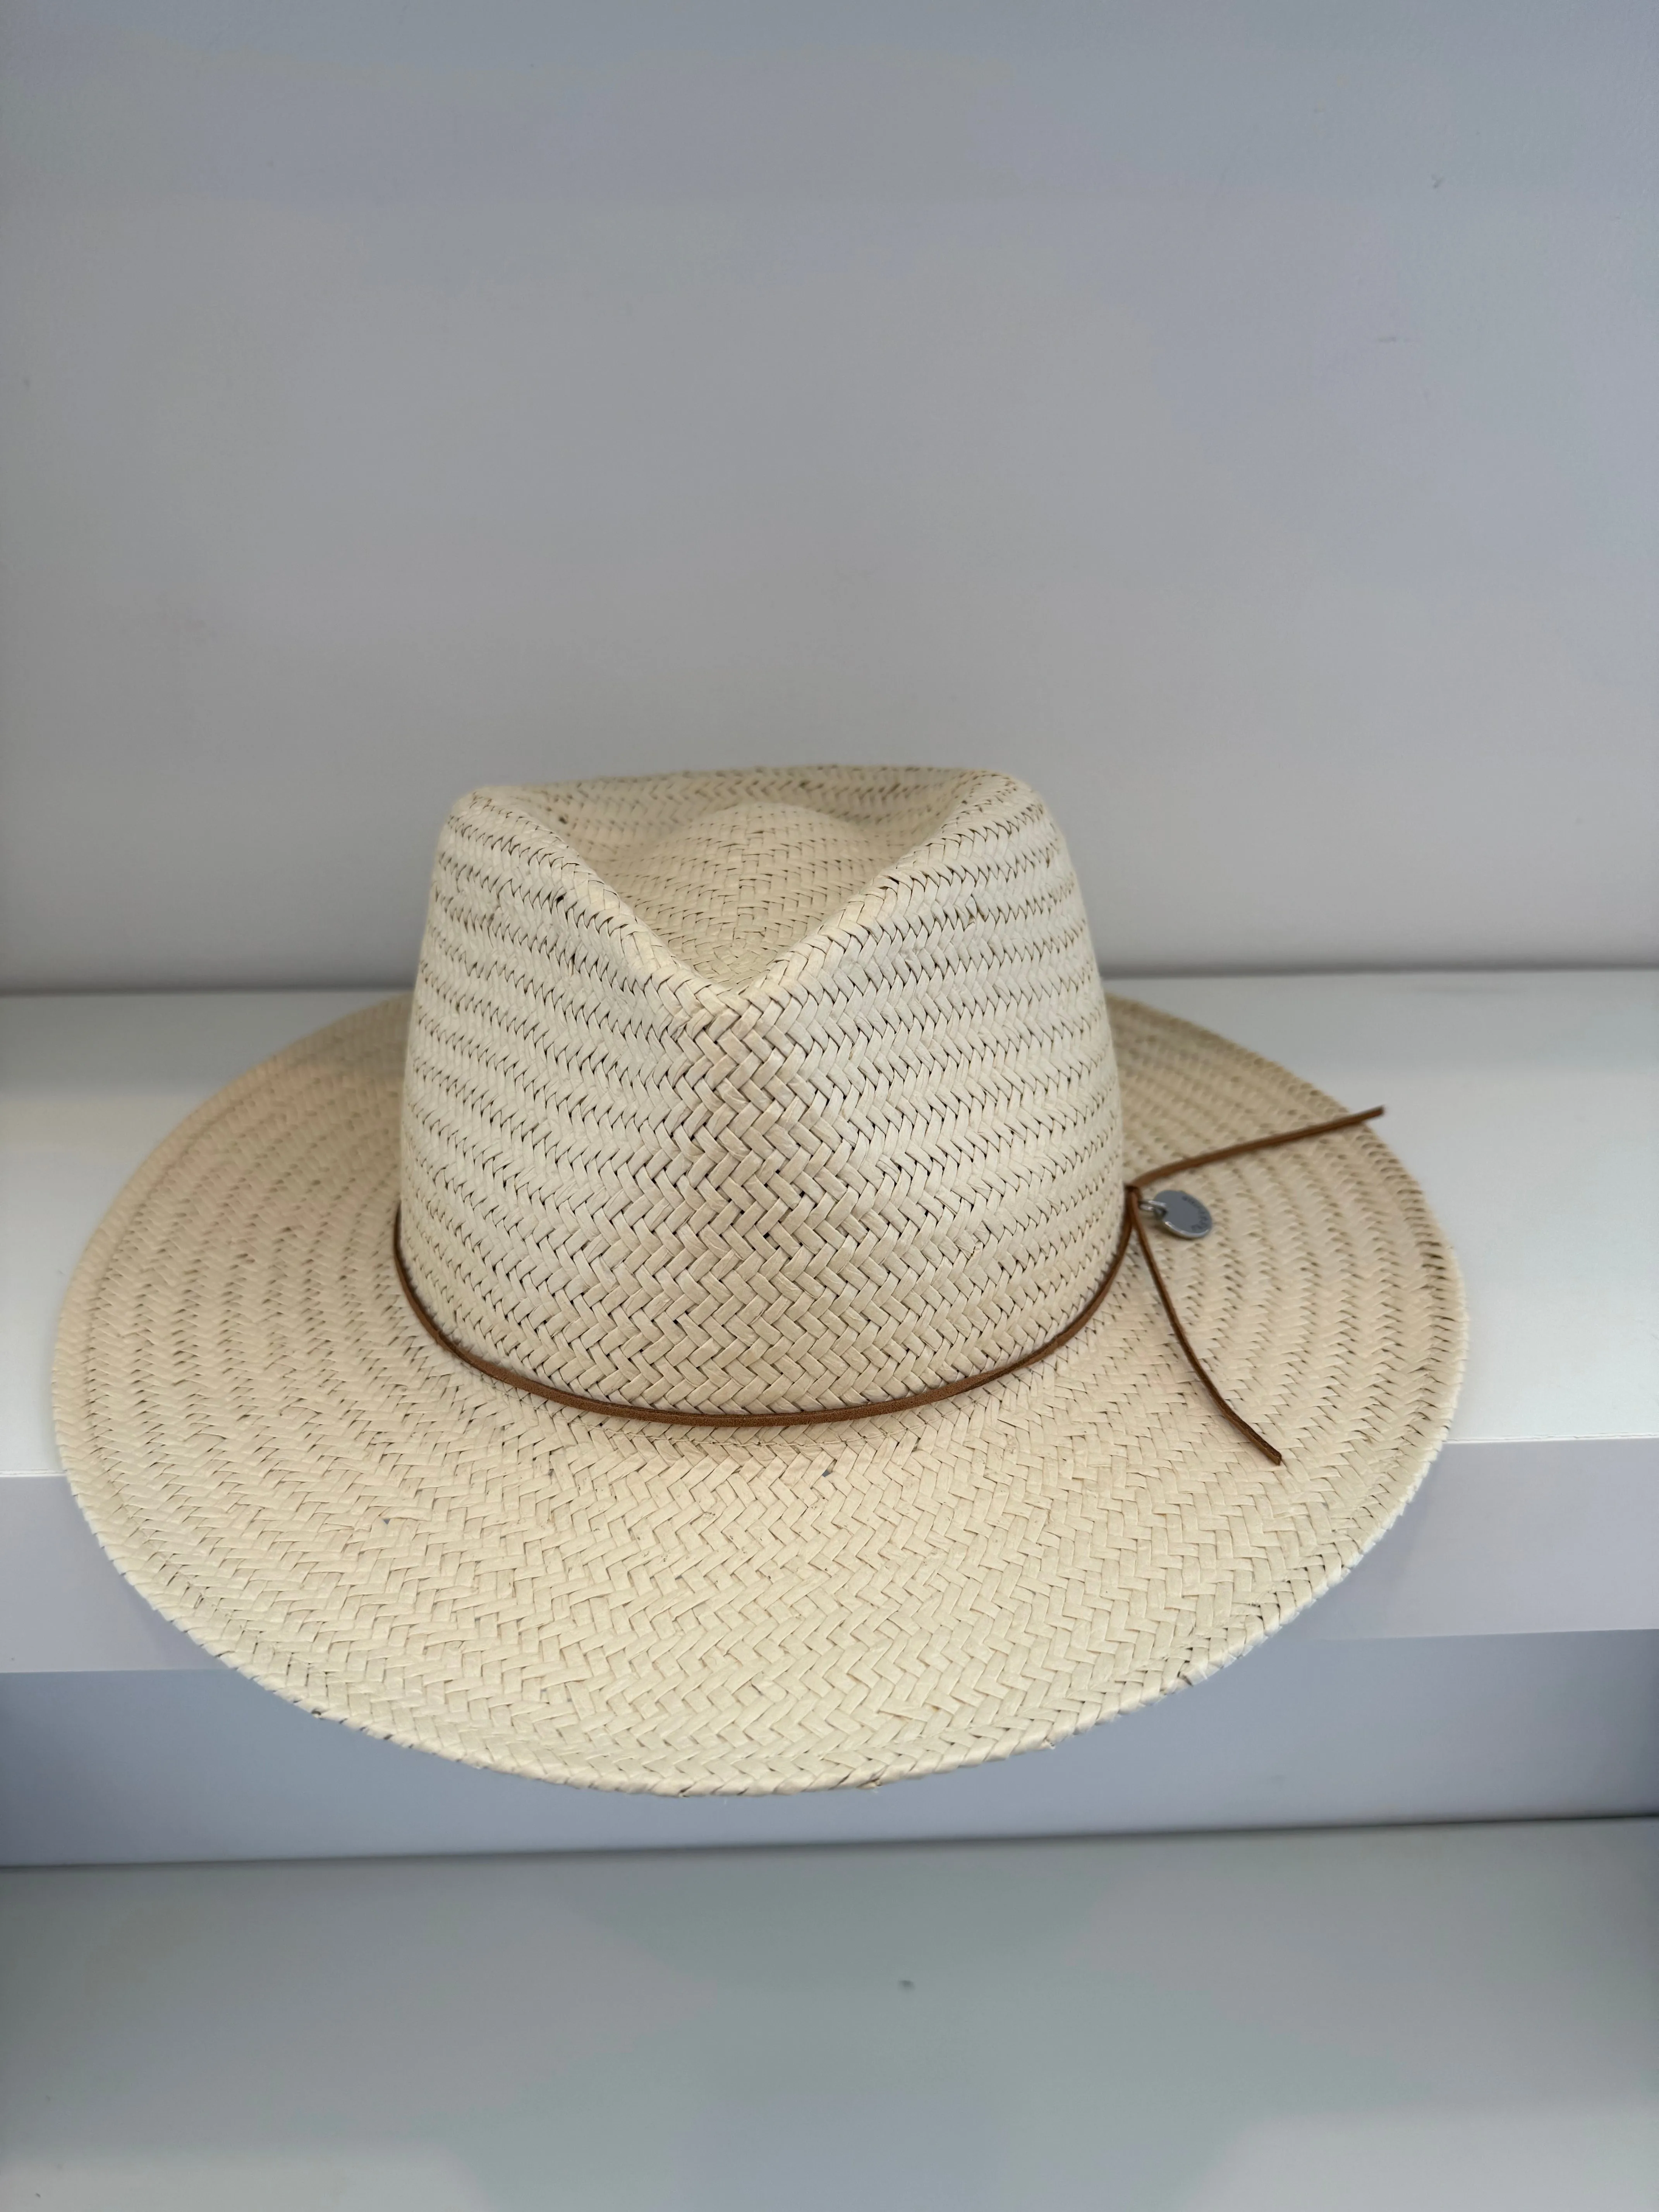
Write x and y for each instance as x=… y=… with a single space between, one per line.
x=758 y=1090
x=732 y=889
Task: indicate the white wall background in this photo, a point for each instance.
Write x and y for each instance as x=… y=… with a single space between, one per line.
x=1240 y=419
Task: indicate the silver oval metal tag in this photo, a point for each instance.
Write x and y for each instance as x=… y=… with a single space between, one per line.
x=1181 y=1213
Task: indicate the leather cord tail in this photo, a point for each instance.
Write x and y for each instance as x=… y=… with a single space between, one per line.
x=1131 y=1226
x=1227 y=1412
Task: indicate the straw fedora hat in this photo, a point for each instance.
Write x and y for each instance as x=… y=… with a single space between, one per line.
x=726 y=1332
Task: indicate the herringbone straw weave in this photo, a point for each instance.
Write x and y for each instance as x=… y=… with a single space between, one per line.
x=746 y=1092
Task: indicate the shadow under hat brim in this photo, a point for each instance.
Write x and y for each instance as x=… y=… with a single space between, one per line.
x=270 y=1448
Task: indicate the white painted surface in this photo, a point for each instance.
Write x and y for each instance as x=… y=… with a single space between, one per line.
x=1447 y=1677
x=1528 y=1106
x=1452 y=2020
x=1532 y=1539
x=88 y=1087
x=130 y=1767
x=1240 y=419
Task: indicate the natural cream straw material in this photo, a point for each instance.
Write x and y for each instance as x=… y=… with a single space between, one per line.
x=752 y=1092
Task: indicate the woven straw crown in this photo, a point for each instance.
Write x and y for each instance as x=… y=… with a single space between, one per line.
x=757 y=1091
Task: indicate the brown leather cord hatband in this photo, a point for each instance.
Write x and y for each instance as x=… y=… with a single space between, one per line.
x=1132 y=1225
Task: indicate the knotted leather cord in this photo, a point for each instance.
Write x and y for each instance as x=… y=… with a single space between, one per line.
x=1132 y=1226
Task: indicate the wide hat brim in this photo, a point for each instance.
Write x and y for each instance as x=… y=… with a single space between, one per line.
x=270 y=1448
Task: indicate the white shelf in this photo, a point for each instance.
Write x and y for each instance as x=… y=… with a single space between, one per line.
x=1527 y=1105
